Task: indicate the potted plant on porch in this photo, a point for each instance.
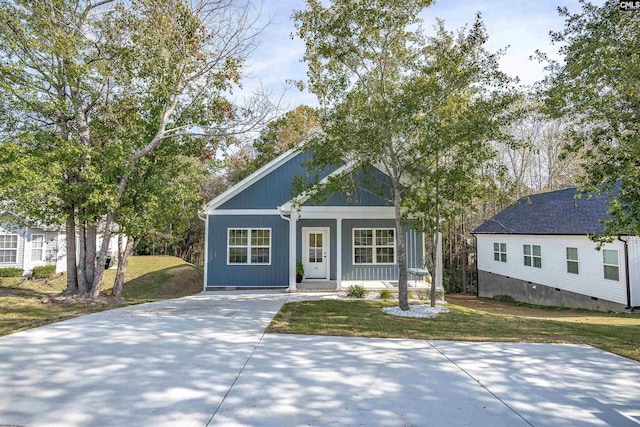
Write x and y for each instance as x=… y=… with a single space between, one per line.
x=299 y=271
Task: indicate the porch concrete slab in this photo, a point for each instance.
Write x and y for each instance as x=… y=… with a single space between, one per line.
x=554 y=384
x=158 y=364
x=318 y=381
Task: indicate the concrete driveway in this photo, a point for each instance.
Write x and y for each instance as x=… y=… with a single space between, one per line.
x=204 y=360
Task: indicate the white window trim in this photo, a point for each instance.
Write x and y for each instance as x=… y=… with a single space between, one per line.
x=532 y=256
x=577 y=260
x=499 y=252
x=373 y=246
x=611 y=265
x=249 y=230
x=41 y=248
x=11 y=249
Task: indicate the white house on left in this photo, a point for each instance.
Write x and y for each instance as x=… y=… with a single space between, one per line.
x=34 y=245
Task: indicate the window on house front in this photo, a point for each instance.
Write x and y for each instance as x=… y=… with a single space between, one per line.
x=572 y=260
x=249 y=246
x=37 y=246
x=500 y=252
x=8 y=248
x=374 y=246
x=611 y=265
x=532 y=255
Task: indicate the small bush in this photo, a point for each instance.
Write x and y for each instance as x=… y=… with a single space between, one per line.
x=10 y=272
x=385 y=294
x=356 y=291
x=411 y=295
x=43 y=271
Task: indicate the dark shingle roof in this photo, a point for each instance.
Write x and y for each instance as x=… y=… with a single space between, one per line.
x=556 y=212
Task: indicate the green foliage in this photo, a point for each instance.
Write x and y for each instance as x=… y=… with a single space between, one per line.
x=100 y=105
x=43 y=271
x=299 y=268
x=356 y=291
x=11 y=272
x=385 y=294
x=451 y=280
x=596 y=88
x=423 y=109
x=279 y=136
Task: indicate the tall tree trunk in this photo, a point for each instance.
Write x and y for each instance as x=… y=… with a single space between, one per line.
x=403 y=293
x=465 y=255
x=83 y=285
x=120 y=248
x=91 y=241
x=70 y=246
x=104 y=249
x=123 y=262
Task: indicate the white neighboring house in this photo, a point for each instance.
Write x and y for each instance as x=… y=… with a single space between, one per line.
x=538 y=251
x=30 y=246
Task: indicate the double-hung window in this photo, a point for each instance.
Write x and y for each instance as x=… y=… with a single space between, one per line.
x=37 y=247
x=374 y=246
x=572 y=260
x=8 y=248
x=611 y=264
x=249 y=246
x=532 y=255
x=500 y=252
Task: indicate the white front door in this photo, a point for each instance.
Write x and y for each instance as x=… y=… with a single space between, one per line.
x=315 y=253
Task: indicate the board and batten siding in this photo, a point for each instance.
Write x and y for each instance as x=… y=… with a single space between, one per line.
x=220 y=274
x=351 y=272
x=274 y=189
x=590 y=280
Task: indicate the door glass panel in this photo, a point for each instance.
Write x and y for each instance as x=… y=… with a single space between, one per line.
x=315 y=247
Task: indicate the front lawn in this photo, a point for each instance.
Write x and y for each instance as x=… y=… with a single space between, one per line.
x=26 y=304
x=470 y=319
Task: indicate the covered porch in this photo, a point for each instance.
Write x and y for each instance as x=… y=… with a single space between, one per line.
x=322 y=239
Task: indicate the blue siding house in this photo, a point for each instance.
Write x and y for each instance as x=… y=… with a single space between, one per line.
x=257 y=230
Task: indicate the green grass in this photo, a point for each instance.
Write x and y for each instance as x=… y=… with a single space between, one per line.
x=27 y=304
x=617 y=333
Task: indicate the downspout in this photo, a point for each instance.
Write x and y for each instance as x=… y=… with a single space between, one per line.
x=475 y=238
x=288 y=219
x=626 y=268
x=206 y=248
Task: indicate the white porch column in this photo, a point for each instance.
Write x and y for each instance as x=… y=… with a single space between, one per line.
x=339 y=254
x=292 y=250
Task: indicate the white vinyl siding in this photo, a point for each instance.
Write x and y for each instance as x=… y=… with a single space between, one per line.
x=249 y=246
x=611 y=264
x=374 y=246
x=554 y=274
x=500 y=252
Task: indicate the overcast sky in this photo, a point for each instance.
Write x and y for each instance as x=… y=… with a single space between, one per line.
x=522 y=26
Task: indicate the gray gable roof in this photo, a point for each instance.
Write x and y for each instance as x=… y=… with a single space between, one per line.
x=556 y=212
